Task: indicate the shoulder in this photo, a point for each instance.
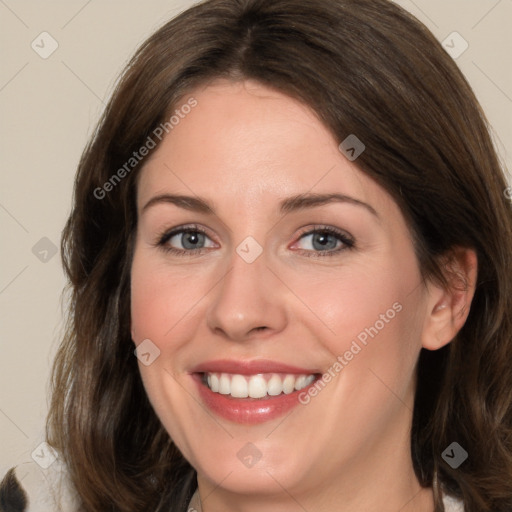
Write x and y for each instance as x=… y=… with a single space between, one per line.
x=30 y=488
x=452 y=504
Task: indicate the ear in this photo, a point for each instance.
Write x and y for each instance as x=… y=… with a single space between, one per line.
x=448 y=308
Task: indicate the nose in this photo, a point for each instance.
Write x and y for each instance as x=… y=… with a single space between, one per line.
x=249 y=301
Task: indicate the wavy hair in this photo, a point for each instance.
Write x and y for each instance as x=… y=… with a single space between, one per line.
x=366 y=67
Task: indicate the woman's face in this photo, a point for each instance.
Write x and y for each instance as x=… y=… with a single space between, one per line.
x=265 y=259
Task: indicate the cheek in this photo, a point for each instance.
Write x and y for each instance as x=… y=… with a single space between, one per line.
x=349 y=305
x=149 y=315
x=160 y=302
x=370 y=323
x=161 y=299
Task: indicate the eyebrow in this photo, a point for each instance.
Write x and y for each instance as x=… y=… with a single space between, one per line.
x=288 y=205
x=195 y=204
x=309 y=200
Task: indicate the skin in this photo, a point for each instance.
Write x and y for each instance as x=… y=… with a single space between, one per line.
x=244 y=148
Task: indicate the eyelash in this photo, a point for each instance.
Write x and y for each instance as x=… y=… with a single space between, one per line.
x=347 y=241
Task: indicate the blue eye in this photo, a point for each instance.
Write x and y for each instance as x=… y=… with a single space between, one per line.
x=325 y=241
x=321 y=241
x=318 y=242
x=189 y=240
x=185 y=240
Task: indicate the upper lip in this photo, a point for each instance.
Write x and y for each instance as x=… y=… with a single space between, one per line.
x=249 y=367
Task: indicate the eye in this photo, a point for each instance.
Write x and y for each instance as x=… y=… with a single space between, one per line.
x=185 y=240
x=324 y=241
x=318 y=242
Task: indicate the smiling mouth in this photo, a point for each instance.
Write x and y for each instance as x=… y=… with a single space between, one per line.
x=258 y=386
x=251 y=392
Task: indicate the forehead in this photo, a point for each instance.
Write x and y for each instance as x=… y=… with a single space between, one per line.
x=246 y=142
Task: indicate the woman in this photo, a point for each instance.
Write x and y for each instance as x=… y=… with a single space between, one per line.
x=294 y=213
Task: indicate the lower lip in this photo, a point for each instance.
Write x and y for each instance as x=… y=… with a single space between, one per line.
x=248 y=411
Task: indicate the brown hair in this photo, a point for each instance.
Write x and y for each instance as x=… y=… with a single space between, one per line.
x=368 y=68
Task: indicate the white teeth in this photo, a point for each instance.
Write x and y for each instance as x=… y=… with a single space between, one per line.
x=300 y=382
x=257 y=386
x=213 y=382
x=239 y=387
x=275 y=385
x=224 y=385
x=288 y=384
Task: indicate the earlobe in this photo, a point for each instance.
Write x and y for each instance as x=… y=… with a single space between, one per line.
x=448 y=307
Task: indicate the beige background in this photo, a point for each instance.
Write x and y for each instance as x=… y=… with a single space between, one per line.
x=48 y=110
